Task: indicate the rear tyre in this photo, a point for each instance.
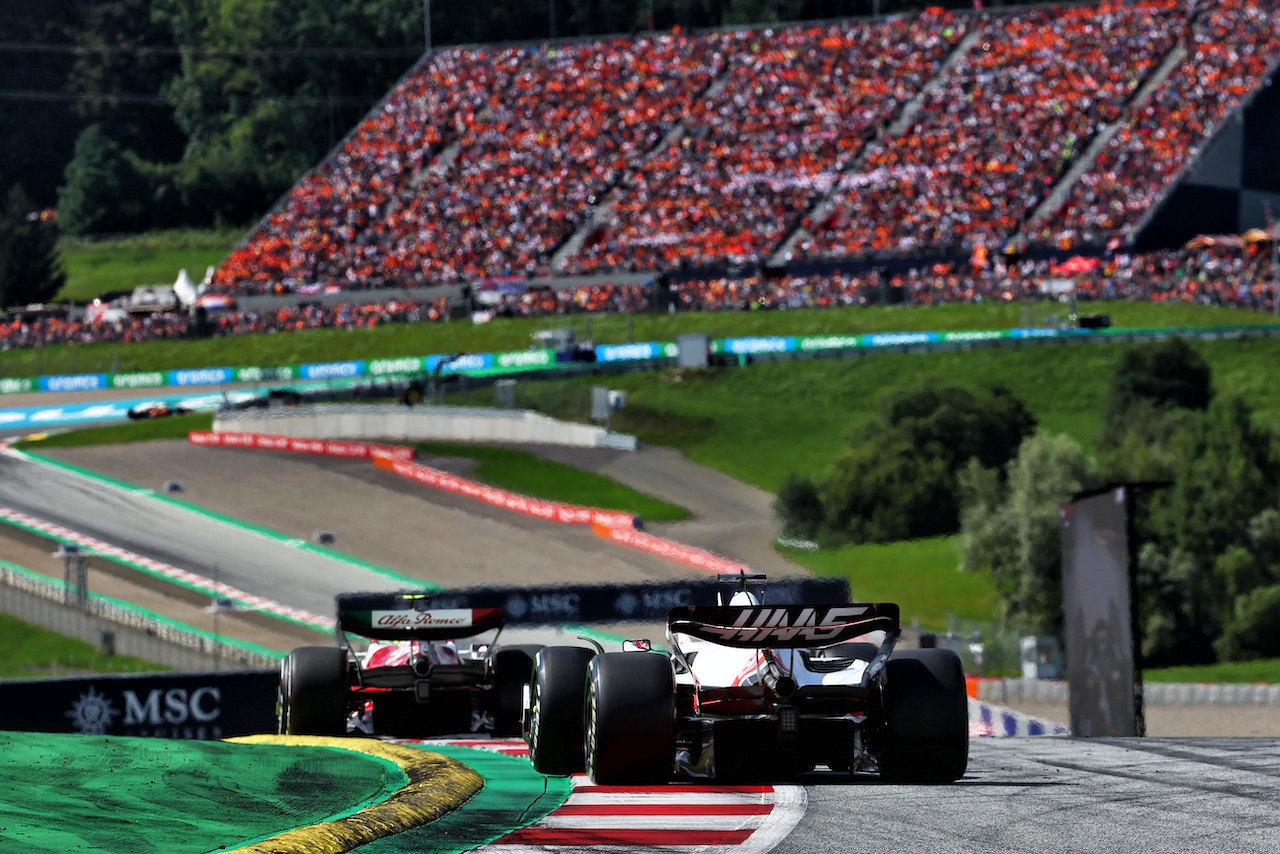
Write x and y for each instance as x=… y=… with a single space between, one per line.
x=313 y=692
x=927 y=708
x=558 y=700
x=512 y=669
x=630 y=725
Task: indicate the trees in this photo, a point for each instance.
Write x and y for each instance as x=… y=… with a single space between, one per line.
x=1211 y=538
x=897 y=479
x=30 y=271
x=1166 y=375
x=1013 y=530
x=104 y=190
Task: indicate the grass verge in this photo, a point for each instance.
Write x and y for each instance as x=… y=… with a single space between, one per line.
x=171 y=427
x=1248 y=672
x=922 y=576
x=528 y=474
x=97 y=266
x=28 y=651
x=502 y=334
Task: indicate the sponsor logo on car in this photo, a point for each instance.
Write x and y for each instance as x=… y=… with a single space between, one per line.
x=418 y=619
x=760 y=625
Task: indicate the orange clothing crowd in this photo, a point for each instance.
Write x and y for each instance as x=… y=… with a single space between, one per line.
x=1210 y=276
x=671 y=151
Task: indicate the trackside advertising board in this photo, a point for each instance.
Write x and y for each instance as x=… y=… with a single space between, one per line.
x=576 y=604
x=524 y=361
x=169 y=705
x=324 y=447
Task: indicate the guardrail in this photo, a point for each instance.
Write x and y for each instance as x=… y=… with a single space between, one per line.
x=160 y=630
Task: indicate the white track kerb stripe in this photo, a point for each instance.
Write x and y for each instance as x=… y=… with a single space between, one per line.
x=173 y=573
x=708 y=819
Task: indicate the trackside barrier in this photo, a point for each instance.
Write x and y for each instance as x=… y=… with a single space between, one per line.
x=678 y=552
x=182 y=577
x=534 y=361
x=324 y=447
x=988 y=720
x=611 y=525
x=140 y=632
x=1153 y=693
x=553 y=511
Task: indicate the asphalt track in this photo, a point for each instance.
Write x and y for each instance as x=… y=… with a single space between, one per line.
x=1020 y=795
x=1050 y=795
x=263 y=566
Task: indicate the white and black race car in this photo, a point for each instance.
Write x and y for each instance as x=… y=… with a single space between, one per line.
x=752 y=690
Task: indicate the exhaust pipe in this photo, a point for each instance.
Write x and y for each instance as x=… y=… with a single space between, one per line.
x=782 y=685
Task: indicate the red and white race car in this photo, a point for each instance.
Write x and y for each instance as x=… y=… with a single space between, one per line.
x=412 y=678
x=752 y=690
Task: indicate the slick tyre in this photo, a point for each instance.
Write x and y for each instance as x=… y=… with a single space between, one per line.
x=313 y=692
x=630 y=722
x=927 y=717
x=512 y=668
x=558 y=698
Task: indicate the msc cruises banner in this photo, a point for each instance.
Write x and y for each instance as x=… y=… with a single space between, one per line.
x=593 y=603
x=169 y=705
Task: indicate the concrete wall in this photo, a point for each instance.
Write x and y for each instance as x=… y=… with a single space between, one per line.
x=420 y=424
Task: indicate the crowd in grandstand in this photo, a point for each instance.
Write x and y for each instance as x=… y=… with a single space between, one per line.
x=1244 y=277
x=989 y=143
x=794 y=110
x=910 y=135
x=1231 y=46
x=680 y=150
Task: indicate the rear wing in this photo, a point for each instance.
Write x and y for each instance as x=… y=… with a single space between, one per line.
x=411 y=616
x=783 y=626
x=560 y=605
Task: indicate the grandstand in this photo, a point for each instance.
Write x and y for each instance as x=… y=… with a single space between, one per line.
x=916 y=159
x=918 y=136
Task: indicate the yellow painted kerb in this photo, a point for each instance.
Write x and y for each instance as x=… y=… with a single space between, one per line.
x=437 y=785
